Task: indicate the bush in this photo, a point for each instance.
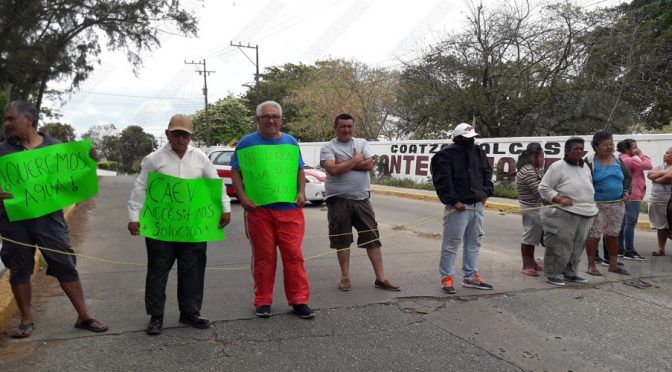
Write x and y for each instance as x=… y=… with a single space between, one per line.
x=408 y=183
x=644 y=207
x=108 y=165
x=505 y=189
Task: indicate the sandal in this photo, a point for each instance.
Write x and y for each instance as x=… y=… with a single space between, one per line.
x=92 y=325
x=344 y=285
x=619 y=270
x=593 y=271
x=23 y=330
x=530 y=271
x=538 y=266
x=658 y=254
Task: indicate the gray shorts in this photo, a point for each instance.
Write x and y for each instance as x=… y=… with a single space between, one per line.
x=343 y=215
x=532 y=228
x=658 y=215
x=48 y=231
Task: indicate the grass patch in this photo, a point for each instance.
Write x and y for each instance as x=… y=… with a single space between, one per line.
x=402 y=182
x=502 y=189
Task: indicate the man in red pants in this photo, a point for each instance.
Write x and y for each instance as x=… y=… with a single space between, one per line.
x=267 y=174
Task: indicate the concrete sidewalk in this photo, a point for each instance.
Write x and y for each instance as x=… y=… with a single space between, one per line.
x=500 y=204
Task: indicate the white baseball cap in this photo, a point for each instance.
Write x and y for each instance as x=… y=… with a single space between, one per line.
x=465 y=130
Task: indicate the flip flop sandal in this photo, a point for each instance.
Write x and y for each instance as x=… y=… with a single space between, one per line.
x=23 y=330
x=594 y=272
x=658 y=254
x=530 y=271
x=344 y=285
x=620 y=271
x=92 y=325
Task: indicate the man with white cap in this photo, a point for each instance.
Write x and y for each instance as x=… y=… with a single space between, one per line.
x=176 y=159
x=462 y=178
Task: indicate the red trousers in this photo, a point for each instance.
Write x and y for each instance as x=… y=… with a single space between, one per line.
x=268 y=229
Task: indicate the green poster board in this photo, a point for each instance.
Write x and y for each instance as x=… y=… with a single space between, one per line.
x=47 y=179
x=181 y=209
x=270 y=172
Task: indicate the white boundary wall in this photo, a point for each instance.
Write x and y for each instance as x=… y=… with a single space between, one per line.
x=410 y=159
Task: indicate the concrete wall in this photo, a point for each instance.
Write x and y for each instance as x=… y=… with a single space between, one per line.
x=411 y=159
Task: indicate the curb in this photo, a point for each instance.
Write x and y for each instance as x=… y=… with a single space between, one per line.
x=488 y=204
x=7 y=304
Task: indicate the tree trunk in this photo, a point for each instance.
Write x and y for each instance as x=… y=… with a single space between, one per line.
x=40 y=94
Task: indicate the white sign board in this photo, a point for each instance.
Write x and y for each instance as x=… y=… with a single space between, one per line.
x=411 y=159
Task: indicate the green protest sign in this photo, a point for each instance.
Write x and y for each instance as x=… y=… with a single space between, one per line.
x=269 y=172
x=47 y=179
x=181 y=209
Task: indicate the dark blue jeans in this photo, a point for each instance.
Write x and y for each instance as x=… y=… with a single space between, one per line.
x=626 y=238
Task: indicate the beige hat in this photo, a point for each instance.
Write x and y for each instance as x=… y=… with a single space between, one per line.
x=181 y=122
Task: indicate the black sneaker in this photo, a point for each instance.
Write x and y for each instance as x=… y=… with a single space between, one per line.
x=263 y=311
x=155 y=326
x=194 y=320
x=447 y=285
x=634 y=256
x=303 y=311
x=575 y=279
x=599 y=259
x=477 y=283
x=606 y=263
x=556 y=281
x=621 y=252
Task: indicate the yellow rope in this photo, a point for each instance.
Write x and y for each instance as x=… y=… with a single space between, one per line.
x=419 y=223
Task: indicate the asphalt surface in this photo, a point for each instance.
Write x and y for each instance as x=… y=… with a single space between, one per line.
x=524 y=324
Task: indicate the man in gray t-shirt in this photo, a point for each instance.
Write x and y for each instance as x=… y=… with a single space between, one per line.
x=348 y=161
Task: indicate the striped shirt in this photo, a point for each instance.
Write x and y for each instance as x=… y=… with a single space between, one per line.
x=527 y=184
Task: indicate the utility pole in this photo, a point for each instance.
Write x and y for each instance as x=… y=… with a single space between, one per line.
x=205 y=74
x=256 y=64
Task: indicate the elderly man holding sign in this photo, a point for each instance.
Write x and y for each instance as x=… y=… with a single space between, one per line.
x=30 y=213
x=267 y=173
x=178 y=205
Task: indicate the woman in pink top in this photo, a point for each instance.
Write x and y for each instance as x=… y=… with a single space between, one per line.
x=636 y=162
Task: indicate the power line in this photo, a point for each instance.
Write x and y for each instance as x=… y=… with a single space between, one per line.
x=205 y=72
x=134 y=96
x=240 y=46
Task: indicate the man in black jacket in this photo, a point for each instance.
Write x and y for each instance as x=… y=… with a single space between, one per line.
x=463 y=181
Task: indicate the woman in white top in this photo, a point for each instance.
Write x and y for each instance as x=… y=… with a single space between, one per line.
x=661 y=178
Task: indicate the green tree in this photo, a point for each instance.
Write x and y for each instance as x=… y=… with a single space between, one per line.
x=312 y=95
x=631 y=57
x=110 y=147
x=229 y=119
x=43 y=41
x=515 y=72
x=97 y=134
x=134 y=144
x=342 y=86
x=276 y=84
x=60 y=131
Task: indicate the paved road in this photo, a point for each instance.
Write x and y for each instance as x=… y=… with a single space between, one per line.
x=523 y=324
